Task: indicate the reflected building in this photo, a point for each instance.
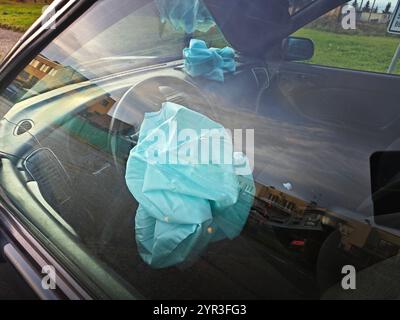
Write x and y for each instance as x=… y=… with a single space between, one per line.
x=277 y=208
x=43 y=74
x=53 y=75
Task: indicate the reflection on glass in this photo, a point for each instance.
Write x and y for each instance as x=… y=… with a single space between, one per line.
x=313 y=209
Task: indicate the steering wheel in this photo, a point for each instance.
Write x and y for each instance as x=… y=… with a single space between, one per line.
x=148 y=96
x=128 y=114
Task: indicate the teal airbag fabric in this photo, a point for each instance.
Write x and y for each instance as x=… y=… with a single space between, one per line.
x=210 y=63
x=184 y=206
x=185 y=15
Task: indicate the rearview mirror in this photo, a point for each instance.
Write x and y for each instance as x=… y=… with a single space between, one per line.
x=298 y=49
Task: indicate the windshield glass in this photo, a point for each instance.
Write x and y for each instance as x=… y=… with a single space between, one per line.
x=138 y=33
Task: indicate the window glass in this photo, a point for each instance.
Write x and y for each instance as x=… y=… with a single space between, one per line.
x=74 y=146
x=76 y=140
x=135 y=39
x=354 y=38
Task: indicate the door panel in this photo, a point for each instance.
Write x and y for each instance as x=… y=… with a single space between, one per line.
x=337 y=120
x=355 y=99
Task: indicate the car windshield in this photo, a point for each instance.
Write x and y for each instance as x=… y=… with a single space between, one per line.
x=147 y=35
x=169 y=149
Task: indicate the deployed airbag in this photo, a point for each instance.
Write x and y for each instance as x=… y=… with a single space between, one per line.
x=210 y=63
x=185 y=15
x=183 y=204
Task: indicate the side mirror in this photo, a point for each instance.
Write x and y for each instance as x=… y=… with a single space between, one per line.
x=298 y=49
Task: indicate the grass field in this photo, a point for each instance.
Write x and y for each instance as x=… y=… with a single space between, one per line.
x=371 y=53
x=18 y=17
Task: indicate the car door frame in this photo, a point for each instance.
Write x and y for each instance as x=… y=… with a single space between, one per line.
x=18 y=245
x=39 y=35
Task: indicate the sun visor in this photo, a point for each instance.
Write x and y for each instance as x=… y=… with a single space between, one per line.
x=251 y=26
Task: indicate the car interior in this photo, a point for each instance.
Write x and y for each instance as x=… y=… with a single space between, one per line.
x=316 y=129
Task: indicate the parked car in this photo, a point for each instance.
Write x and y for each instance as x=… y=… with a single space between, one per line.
x=74 y=93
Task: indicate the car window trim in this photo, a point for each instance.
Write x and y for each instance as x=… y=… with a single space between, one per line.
x=28 y=49
x=23 y=248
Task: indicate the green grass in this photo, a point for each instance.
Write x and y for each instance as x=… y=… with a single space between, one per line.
x=18 y=16
x=359 y=52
